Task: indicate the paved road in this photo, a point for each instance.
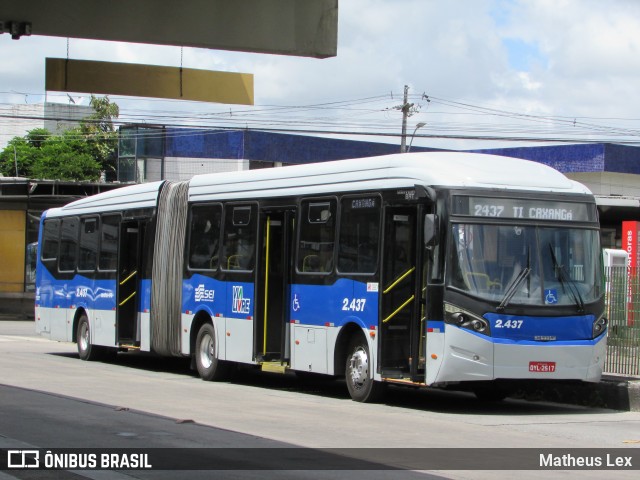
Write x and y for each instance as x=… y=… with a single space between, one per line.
x=142 y=400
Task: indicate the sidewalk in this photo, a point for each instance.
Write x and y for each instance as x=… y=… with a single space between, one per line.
x=17 y=306
x=12 y=317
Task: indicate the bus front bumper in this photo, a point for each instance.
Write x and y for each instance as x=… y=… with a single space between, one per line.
x=469 y=356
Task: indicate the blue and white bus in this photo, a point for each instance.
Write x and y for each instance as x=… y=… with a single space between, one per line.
x=422 y=269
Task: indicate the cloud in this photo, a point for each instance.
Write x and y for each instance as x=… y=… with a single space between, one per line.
x=590 y=51
x=568 y=58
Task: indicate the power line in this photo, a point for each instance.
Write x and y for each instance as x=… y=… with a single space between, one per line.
x=375 y=116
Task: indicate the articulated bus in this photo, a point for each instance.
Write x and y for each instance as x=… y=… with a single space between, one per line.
x=425 y=269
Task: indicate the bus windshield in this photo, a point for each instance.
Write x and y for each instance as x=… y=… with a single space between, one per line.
x=526 y=265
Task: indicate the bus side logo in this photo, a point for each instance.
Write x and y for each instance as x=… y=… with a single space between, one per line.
x=203 y=295
x=239 y=303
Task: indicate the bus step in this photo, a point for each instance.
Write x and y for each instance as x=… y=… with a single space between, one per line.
x=274 y=367
x=404 y=381
x=129 y=347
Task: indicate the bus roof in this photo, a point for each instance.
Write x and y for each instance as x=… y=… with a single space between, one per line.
x=144 y=195
x=445 y=169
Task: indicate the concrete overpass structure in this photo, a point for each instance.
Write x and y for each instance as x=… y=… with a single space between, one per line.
x=306 y=28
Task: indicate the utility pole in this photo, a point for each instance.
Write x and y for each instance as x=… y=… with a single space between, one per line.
x=15 y=159
x=405 y=114
x=407 y=110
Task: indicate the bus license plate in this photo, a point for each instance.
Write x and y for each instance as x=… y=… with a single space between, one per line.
x=542 y=367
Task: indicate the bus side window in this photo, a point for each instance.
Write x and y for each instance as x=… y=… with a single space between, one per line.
x=68 y=244
x=204 y=237
x=359 y=234
x=88 y=245
x=108 y=258
x=50 y=241
x=317 y=236
x=239 y=238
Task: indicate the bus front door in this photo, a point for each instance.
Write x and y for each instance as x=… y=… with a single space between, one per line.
x=128 y=296
x=274 y=278
x=399 y=352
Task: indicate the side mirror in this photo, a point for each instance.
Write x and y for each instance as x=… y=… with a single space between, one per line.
x=431 y=230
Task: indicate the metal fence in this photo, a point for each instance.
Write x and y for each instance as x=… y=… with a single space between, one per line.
x=623 y=312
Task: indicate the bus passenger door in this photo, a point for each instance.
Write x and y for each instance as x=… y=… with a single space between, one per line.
x=128 y=291
x=274 y=280
x=400 y=297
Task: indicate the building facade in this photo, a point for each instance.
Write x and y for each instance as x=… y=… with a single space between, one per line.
x=55 y=117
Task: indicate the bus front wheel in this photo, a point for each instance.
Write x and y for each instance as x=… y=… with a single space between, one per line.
x=207 y=362
x=359 y=375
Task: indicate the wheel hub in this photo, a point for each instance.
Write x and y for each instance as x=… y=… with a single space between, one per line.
x=359 y=368
x=84 y=337
x=207 y=352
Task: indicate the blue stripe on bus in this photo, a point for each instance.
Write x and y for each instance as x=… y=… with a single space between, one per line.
x=317 y=305
x=521 y=327
x=80 y=290
x=227 y=299
x=335 y=305
x=320 y=305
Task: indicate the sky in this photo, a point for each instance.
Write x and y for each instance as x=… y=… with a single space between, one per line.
x=481 y=74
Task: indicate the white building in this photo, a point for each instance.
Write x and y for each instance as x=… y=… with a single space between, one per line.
x=17 y=120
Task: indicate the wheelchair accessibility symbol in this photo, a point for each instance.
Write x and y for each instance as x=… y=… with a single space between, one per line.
x=296 y=303
x=550 y=296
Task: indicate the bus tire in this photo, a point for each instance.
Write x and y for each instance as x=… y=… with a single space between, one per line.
x=207 y=363
x=86 y=350
x=358 y=374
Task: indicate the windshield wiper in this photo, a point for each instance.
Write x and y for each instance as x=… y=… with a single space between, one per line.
x=513 y=288
x=565 y=279
x=515 y=284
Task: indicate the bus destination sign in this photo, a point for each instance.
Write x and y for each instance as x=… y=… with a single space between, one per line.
x=527 y=209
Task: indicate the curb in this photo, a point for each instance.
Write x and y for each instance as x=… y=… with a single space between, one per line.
x=615 y=392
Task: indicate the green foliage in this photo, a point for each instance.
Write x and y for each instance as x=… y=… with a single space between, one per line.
x=37 y=136
x=100 y=133
x=81 y=153
x=18 y=157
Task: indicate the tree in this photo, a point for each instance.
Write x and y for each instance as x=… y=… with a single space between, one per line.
x=66 y=157
x=37 y=136
x=22 y=153
x=100 y=133
x=80 y=153
x=66 y=165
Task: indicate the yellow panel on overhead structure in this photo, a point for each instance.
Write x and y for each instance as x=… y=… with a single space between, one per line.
x=88 y=76
x=12 y=246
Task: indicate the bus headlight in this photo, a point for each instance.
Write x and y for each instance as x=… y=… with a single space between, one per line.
x=599 y=326
x=469 y=321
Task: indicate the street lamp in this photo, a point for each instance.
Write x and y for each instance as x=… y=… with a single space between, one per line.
x=419 y=125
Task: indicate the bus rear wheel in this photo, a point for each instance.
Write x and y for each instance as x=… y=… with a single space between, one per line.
x=86 y=350
x=359 y=376
x=207 y=363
